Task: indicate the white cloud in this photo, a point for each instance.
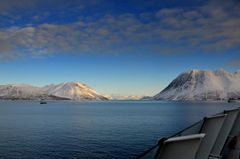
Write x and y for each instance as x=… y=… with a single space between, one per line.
x=168 y=31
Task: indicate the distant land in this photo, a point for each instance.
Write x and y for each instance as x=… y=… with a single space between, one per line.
x=202 y=85
x=62 y=91
x=194 y=85
x=122 y=97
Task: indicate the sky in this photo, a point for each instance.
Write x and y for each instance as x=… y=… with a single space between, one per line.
x=121 y=47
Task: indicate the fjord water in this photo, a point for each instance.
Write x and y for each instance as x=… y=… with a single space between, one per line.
x=110 y=129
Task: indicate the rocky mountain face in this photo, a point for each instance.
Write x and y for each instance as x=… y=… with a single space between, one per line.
x=202 y=85
x=62 y=91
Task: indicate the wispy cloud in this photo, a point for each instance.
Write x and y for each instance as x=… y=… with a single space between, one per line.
x=11 y=5
x=212 y=27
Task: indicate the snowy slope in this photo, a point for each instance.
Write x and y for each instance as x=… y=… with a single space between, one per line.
x=72 y=90
x=202 y=85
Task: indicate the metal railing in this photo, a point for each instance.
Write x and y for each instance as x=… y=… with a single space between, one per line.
x=151 y=152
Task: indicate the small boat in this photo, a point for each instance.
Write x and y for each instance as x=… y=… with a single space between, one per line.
x=43 y=102
x=233 y=100
x=230 y=101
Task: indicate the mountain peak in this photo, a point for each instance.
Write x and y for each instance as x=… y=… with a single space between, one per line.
x=194 y=71
x=76 y=83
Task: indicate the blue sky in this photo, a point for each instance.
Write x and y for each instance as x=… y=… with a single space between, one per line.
x=123 y=47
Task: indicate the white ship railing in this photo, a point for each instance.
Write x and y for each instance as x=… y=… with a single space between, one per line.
x=230 y=126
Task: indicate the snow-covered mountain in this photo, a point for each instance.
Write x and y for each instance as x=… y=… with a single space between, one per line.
x=63 y=91
x=73 y=90
x=202 y=85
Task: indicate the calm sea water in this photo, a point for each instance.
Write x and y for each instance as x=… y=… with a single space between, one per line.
x=111 y=129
